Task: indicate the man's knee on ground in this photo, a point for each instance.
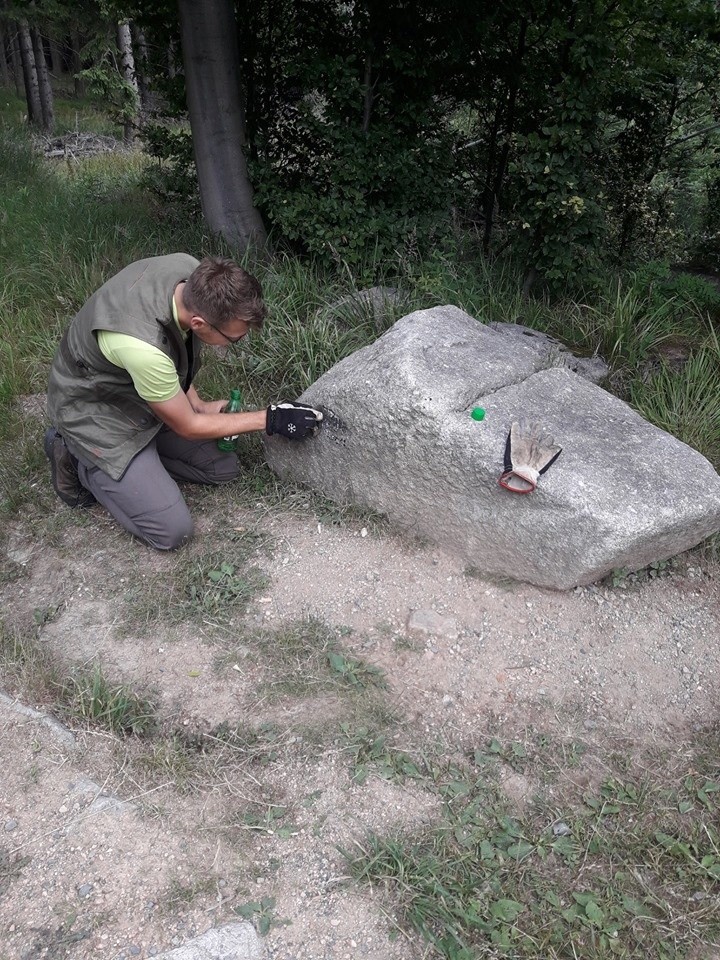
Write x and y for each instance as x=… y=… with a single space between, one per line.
x=175 y=530
x=224 y=469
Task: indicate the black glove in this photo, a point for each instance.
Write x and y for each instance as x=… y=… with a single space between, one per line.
x=528 y=453
x=292 y=420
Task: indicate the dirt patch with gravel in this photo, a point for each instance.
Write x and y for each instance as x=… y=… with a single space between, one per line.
x=260 y=768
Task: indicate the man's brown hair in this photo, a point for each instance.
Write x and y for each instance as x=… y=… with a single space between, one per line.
x=219 y=290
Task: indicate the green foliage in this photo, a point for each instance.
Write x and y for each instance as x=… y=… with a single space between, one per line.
x=173 y=176
x=685 y=403
x=262 y=912
x=105 y=83
x=622 y=578
x=370 y=752
x=365 y=195
x=216 y=584
x=623 y=873
x=685 y=294
x=307 y=657
x=91 y=697
x=624 y=328
x=355 y=157
x=559 y=207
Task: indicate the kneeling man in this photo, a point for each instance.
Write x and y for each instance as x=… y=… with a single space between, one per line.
x=127 y=420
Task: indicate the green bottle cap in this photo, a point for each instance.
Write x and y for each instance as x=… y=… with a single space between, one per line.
x=478 y=413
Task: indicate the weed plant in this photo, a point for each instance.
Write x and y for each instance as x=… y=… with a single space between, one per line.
x=307 y=658
x=209 y=586
x=628 y=869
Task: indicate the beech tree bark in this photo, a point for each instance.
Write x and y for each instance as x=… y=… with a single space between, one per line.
x=127 y=66
x=141 y=59
x=32 y=90
x=76 y=47
x=212 y=81
x=45 y=90
x=16 y=61
x=4 y=72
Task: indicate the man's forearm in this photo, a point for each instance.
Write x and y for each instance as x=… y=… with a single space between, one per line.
x=212 y=426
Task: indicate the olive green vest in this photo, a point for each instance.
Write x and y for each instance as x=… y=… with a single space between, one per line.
x=92 y=402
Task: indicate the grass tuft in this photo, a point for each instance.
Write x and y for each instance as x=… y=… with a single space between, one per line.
x=91 y=697
x=685 y=403
x=306 y=658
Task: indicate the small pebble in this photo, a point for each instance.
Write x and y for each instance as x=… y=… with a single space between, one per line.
x=134 y=950
x=84 y=890
x=561 y=830
x=10 y=825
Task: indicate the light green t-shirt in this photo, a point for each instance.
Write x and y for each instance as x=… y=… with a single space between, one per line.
x=153 y=372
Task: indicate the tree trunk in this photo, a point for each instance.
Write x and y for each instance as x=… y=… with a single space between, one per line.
x=4 y=71
x=171 y=60
x=56 y=58
x=212 y=72
x=141 y=60
x=16 y=61
x=368 y=93
x=76 y=47
x=32 y=90
x=46 y=94
x=509 y=130
x=127 y=66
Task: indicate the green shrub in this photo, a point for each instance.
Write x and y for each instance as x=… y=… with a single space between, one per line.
x=686 y=295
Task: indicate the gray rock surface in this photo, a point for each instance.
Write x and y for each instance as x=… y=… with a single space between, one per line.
x=235 y=941
x=65 y=736
x=553 y=353
x=399 y=438
x=432 y=624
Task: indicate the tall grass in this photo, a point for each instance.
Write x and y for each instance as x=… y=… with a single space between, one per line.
x=686 y=404
x=65 y=230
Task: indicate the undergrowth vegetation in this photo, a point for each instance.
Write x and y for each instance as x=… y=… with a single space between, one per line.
x=70 y=224
x=627 y=868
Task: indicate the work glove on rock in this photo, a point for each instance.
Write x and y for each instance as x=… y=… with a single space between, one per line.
x=292 y=420
x=528 y=453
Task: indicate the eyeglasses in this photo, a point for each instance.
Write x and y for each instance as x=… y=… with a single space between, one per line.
x=231 y=340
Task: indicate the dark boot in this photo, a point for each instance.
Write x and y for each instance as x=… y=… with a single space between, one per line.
x=63 y=467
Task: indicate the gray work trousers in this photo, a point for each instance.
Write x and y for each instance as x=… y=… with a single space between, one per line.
x=146 y=500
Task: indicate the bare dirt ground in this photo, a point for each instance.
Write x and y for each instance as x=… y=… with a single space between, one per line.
x=112 y=846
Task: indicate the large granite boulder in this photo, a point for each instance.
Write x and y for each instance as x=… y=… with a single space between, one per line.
x=399 y=438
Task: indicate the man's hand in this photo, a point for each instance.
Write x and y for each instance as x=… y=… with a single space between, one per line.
x=292 y=420
x=213 y=406
x=204 y=406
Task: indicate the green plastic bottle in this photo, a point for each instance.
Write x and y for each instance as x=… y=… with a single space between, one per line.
x=228 y=444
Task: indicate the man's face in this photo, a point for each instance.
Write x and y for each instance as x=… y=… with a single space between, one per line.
x=231 y=333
